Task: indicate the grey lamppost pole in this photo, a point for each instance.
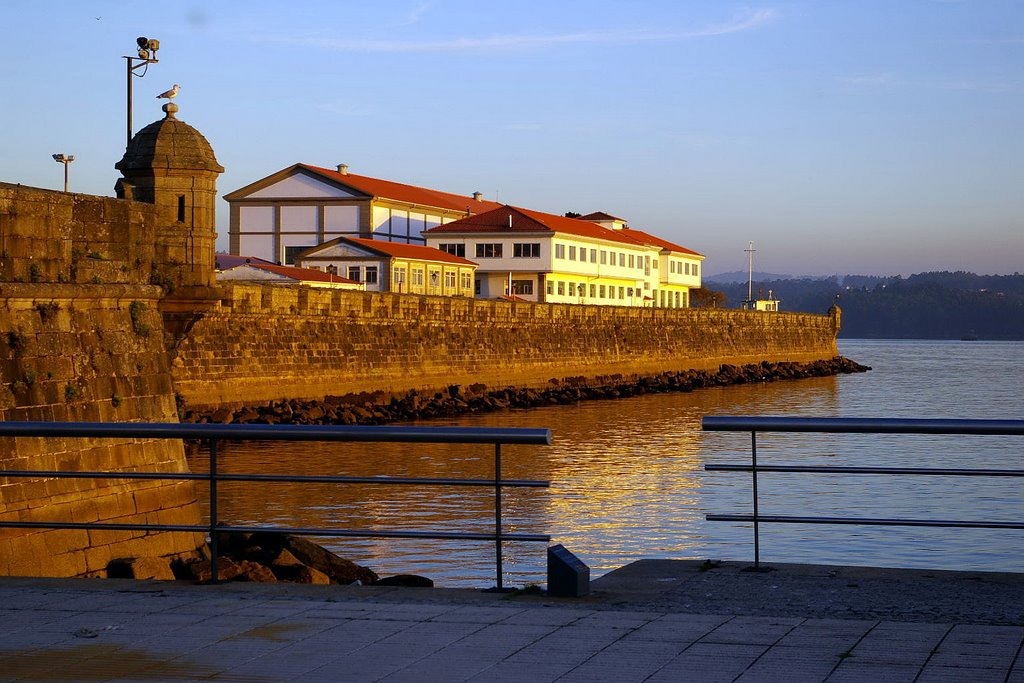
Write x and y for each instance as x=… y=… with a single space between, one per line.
x=147 y=56
x=65 y=159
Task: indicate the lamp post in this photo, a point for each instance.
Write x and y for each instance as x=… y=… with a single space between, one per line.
x=147 y=48
x=65 y=159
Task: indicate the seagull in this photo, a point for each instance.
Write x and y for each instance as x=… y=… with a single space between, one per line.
x=169 y=94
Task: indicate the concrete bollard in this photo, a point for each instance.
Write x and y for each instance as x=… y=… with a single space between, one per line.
x=568 y=577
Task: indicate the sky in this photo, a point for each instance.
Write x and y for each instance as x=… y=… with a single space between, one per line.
x=874 y=137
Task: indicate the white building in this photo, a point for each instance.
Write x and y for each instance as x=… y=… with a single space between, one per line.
x=544 y=257
x=266 y=273
x=302 y=206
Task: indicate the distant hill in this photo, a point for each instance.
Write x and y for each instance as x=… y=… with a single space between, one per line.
x=936 y=305
x=743 y=276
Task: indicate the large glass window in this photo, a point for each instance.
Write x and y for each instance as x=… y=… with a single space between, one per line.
x=453 y=249
x=526 y=250
x=488 y=250
x=572 y=253
x=559 y=251
x=417 y=276
x=522 y=286
x=354 y=273
x=371 y=275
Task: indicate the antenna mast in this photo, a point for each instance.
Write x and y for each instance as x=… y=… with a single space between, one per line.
x=750 y=272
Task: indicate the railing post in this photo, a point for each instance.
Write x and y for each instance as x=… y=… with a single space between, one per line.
x=753 y=473
x=497 y=515
x=214 y=555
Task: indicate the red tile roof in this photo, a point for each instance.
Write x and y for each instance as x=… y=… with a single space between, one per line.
x=302 y=274
x=386 y=189
x=601 y=216
x=410 y=251
x=647 y=238
x=526 y=220
x=225 y=261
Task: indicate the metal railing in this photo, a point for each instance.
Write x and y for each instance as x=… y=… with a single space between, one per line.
x=855 y=426
x=211 y=434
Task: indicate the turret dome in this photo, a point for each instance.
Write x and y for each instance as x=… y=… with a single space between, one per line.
x=169 y=144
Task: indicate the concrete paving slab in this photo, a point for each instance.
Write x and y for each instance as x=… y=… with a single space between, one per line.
x=127 y=631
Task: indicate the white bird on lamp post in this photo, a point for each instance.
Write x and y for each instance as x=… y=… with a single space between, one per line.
x=169 y=94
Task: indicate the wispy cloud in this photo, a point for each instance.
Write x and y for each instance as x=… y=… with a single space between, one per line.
x=744 y=21
x=888 y=80
x=413 y=16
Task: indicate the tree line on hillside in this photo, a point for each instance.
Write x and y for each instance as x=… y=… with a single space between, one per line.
x=936 y=305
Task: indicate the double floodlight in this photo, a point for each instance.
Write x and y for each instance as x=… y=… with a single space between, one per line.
x=147 y=47
x=63 y=159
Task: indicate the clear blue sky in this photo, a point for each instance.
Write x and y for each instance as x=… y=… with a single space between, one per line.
x=878 y=136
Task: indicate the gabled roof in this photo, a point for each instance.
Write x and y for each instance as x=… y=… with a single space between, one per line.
x=302 y=274
x=526 y=220
x=225 y=261
x=654 y=241
x=601 y=216
x=378 y=189
x=414 y=252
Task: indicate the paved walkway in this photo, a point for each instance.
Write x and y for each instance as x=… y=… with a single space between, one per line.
x=109 y=630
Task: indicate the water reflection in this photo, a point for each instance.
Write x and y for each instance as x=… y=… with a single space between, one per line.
x=628 y=479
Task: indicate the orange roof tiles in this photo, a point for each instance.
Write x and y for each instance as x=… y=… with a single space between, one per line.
x=410 y=251
x=303 y=274
x=386 y=189
x=526 y=220
x=647 y=238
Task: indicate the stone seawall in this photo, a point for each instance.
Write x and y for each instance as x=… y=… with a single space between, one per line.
x=87 y=353
x=263 y=343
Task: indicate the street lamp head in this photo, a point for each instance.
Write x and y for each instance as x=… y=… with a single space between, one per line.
x=142 y=41
x=59 y=158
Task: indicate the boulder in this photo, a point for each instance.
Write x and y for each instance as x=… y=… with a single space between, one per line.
x=339 y=570
x=140 y=568
x=406 y=580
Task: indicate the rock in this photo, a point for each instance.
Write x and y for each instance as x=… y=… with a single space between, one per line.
x=406 y=580
x=300 y=573
x=223 y=416
x=340 y=570
x=140 y=568
x=227 y=569
x=254 y=572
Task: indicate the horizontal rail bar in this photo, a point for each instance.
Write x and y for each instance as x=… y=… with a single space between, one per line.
x=251 y=432
x=865 y=470
x=301 y=531
x=297 y=478
x=860 y=425
x=866 y=521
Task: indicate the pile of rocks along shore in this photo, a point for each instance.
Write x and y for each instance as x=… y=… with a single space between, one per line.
x=378 y=408
x=260 y=558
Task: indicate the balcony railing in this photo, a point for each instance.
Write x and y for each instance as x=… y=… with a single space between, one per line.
x=211 y=434
x=855 y=426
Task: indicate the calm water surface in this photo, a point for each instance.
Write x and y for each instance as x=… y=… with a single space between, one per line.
x=628 y=479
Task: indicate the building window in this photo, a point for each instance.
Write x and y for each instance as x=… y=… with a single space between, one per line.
x=593 y=255
x=602 y=291
x=629 y=292
x=371 y=275
x=551 y=287
x=476 y=286
x=593 y=291
x=560 y=251
x=398 y=279
x=526 y=250
x=604 y=257
x=686 y=268
x=291 y=252
x=522 y=287
x=453 y=249
x=181 y=208
x=466 y=280
x=572 y=253
x=695 y=270
x=561 y=289
x=581 y=290
x=449 y=279
x=417 y=277
x=632 y=261
x=354 y=272
x=488 y=250
x=332 y=269
x=686 y=301
x=622 y=259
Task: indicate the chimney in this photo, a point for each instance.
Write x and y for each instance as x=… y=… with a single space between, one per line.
x=343 y=169
x=478 y=196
